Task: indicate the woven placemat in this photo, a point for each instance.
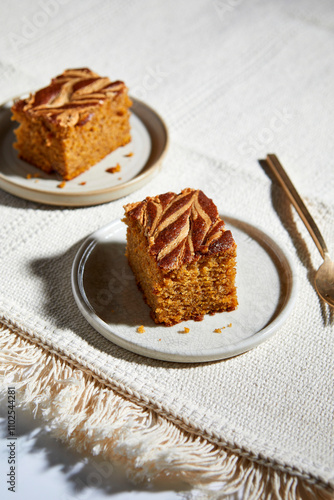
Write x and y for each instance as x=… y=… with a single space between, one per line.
x=271 y=405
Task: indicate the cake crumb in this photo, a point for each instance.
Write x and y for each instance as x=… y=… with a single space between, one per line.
x=28 y=176
x=128 y=155
x=141 y=329
x=62 y=185
x=218 y=330
x=159 y=340
x=82 y=183
x=113 y=170
x=229 y=325
x=186 y=330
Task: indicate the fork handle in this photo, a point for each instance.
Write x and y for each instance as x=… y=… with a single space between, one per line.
x=297 y=202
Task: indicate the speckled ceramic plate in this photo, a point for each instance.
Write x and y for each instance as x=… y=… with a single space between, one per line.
x=107 y=296
x=140 y=160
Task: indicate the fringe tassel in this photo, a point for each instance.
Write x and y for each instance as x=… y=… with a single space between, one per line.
x=93 y=418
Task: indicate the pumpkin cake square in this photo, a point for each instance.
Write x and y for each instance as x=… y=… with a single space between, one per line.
x=183 y=258
x=74 y=122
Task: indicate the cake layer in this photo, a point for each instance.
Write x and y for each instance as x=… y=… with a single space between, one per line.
x=182 y=257
x=73 y=123
x=205 y=286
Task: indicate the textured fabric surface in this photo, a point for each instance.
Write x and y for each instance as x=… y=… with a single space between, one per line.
x=234 y=81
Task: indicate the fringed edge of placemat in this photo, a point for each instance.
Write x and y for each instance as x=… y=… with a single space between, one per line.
x=92 y=417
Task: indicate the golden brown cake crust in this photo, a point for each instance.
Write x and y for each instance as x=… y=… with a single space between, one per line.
x=180 y=228
x=70 y=97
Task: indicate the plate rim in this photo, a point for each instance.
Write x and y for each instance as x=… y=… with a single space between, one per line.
x=240 y=347
x=38 y=196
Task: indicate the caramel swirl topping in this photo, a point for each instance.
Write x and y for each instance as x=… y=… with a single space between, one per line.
x=71 y=97
x=180 y=227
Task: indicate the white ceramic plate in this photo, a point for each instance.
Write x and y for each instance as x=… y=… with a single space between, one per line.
x=107 y=296
x=148 y=146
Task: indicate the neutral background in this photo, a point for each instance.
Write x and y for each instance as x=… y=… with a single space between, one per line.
x=251 y=53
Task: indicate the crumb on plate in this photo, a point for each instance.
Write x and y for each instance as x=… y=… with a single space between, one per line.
x=113 y=170
x=141 y=329
x=62 y=185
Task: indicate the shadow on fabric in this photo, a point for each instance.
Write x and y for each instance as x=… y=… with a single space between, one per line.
x=284 y=210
